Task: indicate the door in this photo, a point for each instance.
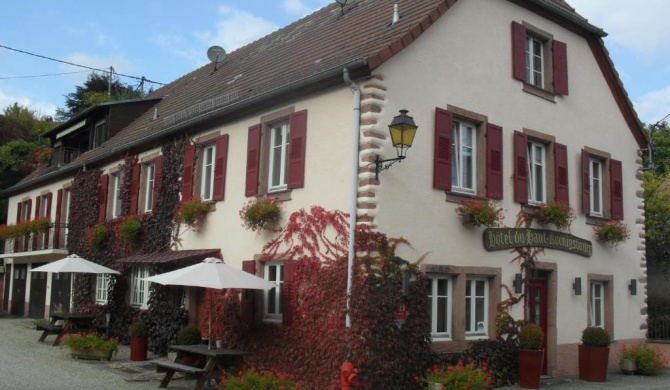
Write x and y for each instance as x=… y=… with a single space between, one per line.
x=19 y=289
x=5 y=296
x=537 y=311
x=60 y=293
x=38 y=293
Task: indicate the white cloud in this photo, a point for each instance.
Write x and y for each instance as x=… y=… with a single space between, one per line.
x=296 y=7
x=237 y=28
x=653 y=106
x=40 y=108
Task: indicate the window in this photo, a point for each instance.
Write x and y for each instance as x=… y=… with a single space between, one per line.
x=464 y=162
x=140 y=287
x=150 y=172
x=278 y=161
x=537 y=184
x=534 y=61
x=273 y=308
x=99 y=134
x=476 y=307
x=439 y=298
x=116 y=195
x=207 y=172
x=101 y=288
x=598 y=304
x=596 y=185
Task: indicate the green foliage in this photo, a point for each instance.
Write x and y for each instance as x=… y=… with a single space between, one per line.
x=461 y=376
x=192 y=212
x=657 y=216
x=482 y=211
x=530 y=336
x=96 y=236
x=252 y=379
x=189 y=335
x=649 y=360
x=594 y=336
x=558 y=213
x=130 y=230
x=137 y=329
x=92 y=342
x=260 y=213
x=501 y=356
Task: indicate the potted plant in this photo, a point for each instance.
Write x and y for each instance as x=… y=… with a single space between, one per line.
x=260 y=213
x=558 y=213
x=138 y=341
x=188 y=335
x=96 y=236
x=531 y=356
x=460 y=376
x=594 y=354
x=256 y=379
x=640 y=359
x=92 y=346
x=192 y=212
x=130 y=230
x=480 y=212
x=40 y=225
x=612 y=232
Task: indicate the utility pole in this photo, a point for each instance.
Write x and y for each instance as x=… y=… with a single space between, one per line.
x=109 y=83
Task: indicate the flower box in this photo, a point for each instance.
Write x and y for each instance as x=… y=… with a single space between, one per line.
x=93 y=354
x=612 y=232
x=261 y=213
x=480 y=212
x=559 y=214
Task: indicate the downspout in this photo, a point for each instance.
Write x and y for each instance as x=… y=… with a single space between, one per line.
x=353 y=210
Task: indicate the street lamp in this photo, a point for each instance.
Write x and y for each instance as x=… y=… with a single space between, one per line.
x=403 y=130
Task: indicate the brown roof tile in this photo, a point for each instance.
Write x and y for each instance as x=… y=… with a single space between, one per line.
x=194 y=255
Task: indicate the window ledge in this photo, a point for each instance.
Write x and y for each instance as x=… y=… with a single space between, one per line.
x=283 y=195
x=596 y=221
x=539 y=92
x=457 y=197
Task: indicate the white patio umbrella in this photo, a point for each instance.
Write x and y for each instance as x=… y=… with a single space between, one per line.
x=74 y=264
x=212 y=273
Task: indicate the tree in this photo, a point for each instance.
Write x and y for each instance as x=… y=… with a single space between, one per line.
x=95 y=91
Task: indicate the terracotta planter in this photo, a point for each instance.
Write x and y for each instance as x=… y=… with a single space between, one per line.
x=530 y=368
x=138 y=348
x=94 y=354
x=628 y=366
x=593 y=363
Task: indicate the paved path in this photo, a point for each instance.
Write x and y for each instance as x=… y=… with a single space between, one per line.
x=26 y=364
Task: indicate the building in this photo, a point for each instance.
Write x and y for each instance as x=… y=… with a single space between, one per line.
x=516 y=101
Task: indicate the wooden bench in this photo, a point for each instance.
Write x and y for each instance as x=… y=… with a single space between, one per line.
x=170 y=368
x=47 y=329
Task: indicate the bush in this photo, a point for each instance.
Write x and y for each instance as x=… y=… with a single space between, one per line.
x=137 y=329
x=530 y=336
x=189 y=335
x=594 y=336
x=252 y=379
x=461 y=376
x=502 y=356
x=649 y=360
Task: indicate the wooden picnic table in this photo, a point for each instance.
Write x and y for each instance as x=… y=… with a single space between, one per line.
x=72 y=322
x=216 y=360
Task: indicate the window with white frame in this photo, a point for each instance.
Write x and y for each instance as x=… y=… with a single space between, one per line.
x=596 y=187
x=139 y=287
x=273 y=305
x=598 y=304
x=537 y=173
x=150 y=170
x=439 y=300
x=534 y=61
x=117 y=182
x=464 y=159
x=207 y=172
x=476 y=307
x=101 y=288
x=278 y=158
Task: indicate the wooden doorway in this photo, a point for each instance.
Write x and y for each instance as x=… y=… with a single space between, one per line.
x=19 y=289
x=537 y=311
x=60 y=293
x=5 y=296
x=38 y=293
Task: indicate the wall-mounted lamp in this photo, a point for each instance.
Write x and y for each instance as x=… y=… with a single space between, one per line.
x=577 y=286
x=402 y=130
x=344 y=3
x=632 y=287
x=518 y=284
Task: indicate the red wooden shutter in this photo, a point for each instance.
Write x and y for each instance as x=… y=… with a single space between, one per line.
x=586 y=194
x=158 y=176
x=135 y=188
x=520 y=167
x=560 y=52
x=616 y=189
x=187 y=178
x=494 y=161
x=48 y=214
x=57 y=219
x=442 y=149
x=561 y=173
x=104 y=184
x=518 y=51
x=253 y=160
x=38 y=201
x=297 y=146
x=220 y=167
x=247 y=304
x=289 y=293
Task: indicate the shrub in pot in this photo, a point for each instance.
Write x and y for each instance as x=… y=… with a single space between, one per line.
x=594 y=354
x=138 y=341
x=188 y=335
x=530 y=356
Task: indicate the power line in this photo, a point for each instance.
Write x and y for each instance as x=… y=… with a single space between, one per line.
x=42 y=75
x=78 y=65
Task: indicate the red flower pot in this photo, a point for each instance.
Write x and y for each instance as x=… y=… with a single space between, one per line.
x=138 y=348
x=530 y=368
x=593 y=363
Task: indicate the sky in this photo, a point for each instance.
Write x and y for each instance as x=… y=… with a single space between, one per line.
x=162 y=40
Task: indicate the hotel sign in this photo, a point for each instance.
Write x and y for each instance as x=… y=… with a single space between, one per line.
x=496 y=239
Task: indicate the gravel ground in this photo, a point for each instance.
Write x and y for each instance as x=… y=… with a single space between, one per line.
x=26 y=364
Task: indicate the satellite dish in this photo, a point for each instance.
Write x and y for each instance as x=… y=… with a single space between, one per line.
x=216 y=54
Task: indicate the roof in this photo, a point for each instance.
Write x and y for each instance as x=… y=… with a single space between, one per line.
x=305 y=56
x=170 y=257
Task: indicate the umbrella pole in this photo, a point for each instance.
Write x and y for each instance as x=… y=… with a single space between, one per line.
x=72 y=274
x=209 y=339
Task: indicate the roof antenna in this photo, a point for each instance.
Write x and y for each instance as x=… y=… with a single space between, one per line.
x=216 y=54
x=344 y=3
x=396 y=14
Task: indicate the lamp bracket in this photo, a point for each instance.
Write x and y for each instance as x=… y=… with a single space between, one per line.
x=382 y=165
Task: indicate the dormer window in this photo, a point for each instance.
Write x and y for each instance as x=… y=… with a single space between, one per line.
x=98 y=135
